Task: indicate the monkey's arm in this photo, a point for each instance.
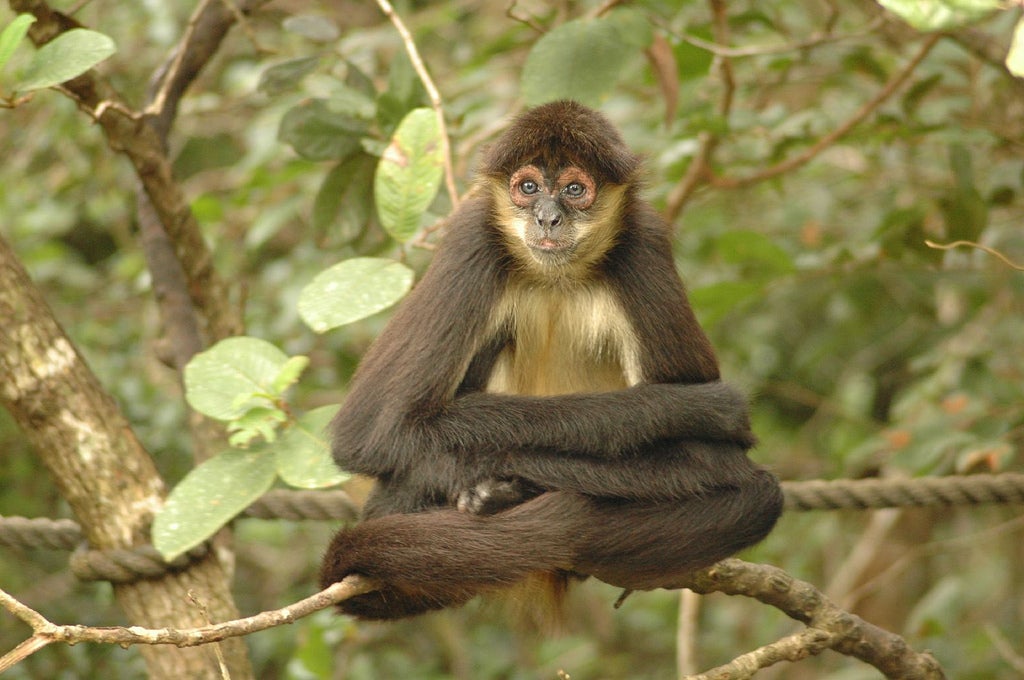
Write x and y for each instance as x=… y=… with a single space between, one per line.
x=605 y=424
x=470 y=437
x=670 y=471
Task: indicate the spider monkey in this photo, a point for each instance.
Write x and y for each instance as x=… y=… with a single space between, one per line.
x=544 y=403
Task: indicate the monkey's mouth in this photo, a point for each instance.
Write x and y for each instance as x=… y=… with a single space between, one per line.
x=552 y=250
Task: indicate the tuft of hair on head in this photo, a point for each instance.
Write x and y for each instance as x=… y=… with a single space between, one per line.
x=559 y=134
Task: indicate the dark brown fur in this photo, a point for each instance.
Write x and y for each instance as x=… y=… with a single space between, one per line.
x=637 y=486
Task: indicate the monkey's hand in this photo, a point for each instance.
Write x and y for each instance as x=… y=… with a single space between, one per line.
x=494 y=495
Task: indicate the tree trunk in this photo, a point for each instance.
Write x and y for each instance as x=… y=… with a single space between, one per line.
x=104 y=473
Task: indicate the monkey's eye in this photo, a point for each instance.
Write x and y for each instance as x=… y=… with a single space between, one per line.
x=574 y=190
x=528 y=186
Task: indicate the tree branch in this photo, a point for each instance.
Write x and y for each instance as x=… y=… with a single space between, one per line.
x=796 y=647
x=828 y=626
x=98 y=464
x=835 y=629
x=815 y=40
x=699 y=169
x=971 y=244
x=130 y=133
x=432 y=92
x=831 y=138
x=45 y=632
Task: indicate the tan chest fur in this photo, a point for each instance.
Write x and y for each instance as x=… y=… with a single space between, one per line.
x=575 y=339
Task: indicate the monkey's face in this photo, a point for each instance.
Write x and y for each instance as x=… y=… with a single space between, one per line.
x=550 y=211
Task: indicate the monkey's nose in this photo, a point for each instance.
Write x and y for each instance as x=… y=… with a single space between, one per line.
x=548 y=215
x=549 y=222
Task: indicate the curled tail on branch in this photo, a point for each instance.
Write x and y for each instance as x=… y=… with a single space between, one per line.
x=443 y=558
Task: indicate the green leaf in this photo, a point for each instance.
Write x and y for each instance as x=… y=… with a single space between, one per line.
x=962 y=165
x=937 y=15
x=210 y=496
x=357 y=80
x=963 y=208
x=756 y=251
x=65 y=57
x=317 y=131
x=901 y=235
x=716 y=301
x=403 y=93
x=352 y=290
x=965 y=213
x=916 y=93
x=303 y=453
x=233 y=376
x=12 y=36
x=1015 y=57
x=261 y=421
x=409 y=174
x=693 y=61
x=286 y=76
x=314 y=655
x=344 y=202
x=289 y=374
x=315 y=27
x=201 y=153
x=582 y=59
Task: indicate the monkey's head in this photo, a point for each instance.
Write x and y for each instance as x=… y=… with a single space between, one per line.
x=558 y=177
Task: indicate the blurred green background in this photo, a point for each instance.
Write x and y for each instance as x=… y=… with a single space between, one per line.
x=866 y=352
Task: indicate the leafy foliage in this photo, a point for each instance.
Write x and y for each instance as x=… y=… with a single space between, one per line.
x=867 y=351
x=68 y=55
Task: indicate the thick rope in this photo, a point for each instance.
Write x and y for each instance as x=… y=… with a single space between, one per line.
x=297 y=505
x=127 y=565
x=861 y=494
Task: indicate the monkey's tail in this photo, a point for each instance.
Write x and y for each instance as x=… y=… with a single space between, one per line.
x=641 y=546
x=443 y=558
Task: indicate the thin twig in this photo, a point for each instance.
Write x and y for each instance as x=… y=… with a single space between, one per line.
x=1004 y=647
x=171 y=74
x=808 y=642
x=246 y=26
x=686 y=632
x=917 y=553
x=971 y=244
x=24 y=650
x=510 y=12
x=605 y=7
x=432 y=92
x=45 y=632
x=816 y=40
x=77 y=7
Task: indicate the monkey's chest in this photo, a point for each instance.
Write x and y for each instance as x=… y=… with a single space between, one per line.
x=564 y=343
